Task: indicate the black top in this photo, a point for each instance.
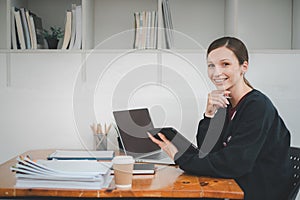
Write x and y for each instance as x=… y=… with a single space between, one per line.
x=252 y=147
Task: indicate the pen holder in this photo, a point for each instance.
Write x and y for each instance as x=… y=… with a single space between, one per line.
x=100 y=141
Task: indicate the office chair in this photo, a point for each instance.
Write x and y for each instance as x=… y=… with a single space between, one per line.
x=295 y=158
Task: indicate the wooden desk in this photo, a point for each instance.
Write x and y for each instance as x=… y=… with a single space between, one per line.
x=168 y=181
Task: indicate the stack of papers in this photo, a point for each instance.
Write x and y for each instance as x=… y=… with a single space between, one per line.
x=69 y=174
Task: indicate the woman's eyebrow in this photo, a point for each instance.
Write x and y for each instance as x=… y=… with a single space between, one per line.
x=225 y=59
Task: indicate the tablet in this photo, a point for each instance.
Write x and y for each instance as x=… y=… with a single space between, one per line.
x=180 y=141
x=169 y=132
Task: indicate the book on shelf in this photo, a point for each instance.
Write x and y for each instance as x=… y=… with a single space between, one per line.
x=14 y=37
x=154 y=25
x=68 y=29
x=148 y=28
x=19 y=28
x=168 y=25
x=71 y=174
x=143 y=22
x=78 y=29
x=38 y=25
x=136 y=28
x=25 y=28
x=145 y=30
x=73 y=26
x=81 y=155
x=31 y=31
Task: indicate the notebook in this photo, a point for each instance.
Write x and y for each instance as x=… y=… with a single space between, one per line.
x=133 y=126
x=141 y=168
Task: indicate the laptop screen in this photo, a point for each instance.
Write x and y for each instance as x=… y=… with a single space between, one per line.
x=133 y=126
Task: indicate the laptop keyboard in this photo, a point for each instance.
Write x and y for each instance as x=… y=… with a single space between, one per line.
x=156 y=156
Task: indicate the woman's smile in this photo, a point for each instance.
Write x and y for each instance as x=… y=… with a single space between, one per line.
x=219 y=80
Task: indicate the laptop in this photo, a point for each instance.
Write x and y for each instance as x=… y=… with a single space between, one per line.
x=133 y=126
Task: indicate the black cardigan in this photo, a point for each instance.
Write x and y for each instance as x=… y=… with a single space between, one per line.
x=253 y=148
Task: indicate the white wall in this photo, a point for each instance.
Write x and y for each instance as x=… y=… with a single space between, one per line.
x=266 y=23
x=296 y=24
x=3 y=71
x=3 y=19
x=276 y=75
x=201 y=20
x=42 y=109
x=36 y=109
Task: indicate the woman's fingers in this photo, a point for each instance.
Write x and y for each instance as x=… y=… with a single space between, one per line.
x=220 y=101
x=156 y=141
x=216 y=99
x=165 y=144
x=161 y=143
x=163 y=137
x=226 y=94
x=219 y=98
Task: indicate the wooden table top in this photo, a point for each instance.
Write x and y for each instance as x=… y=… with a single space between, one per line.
x=168 y=181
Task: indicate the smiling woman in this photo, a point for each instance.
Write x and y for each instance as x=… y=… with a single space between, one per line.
x=227 y=65
x=253 y=146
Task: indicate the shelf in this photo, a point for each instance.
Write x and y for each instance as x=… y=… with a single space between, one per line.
x=144 y=51
x=109 y=24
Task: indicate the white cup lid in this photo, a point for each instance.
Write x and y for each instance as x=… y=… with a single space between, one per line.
x=123 y=160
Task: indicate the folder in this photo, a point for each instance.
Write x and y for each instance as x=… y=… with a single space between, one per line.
x=81 y=155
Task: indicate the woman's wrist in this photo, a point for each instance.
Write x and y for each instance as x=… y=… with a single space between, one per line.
x=209 y=115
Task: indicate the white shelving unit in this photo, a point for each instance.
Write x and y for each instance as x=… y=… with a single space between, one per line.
x=109 y=24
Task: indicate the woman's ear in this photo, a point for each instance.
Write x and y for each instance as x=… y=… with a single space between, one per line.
x=244 y=67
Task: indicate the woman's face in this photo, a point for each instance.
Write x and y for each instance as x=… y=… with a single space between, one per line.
x=224 y=69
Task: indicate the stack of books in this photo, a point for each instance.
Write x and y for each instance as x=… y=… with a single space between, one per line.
x=146 y=28
x=26 y=29
x=67 y=174
x=73 y=28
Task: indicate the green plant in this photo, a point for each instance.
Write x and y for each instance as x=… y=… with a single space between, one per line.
x=54 y=32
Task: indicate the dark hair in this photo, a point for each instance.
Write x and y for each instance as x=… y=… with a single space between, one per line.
x=236 y=46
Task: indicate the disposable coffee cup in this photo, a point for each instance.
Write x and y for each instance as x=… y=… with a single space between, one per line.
x=123 y=168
